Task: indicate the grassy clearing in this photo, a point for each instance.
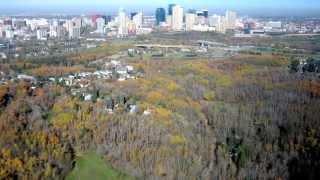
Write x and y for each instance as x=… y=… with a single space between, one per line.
x=91 y=166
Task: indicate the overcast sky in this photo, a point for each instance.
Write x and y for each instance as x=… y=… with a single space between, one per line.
x=263 y=7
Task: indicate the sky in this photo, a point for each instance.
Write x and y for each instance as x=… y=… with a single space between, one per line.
x=258 y=7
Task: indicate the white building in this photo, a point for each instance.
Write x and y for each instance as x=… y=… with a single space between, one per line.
x=77 y=22
x=61 y=31
x=177 y=18
x=214 y=20
x=203 y=28
x=169 y=21
x=36 y=23
x=138 y=20
x=53 y=31
x=86 y=21
x=190 y=21
x=101 y=23
x=9 y=34
x=57 y=31
x=149 y=21
x=218 y=22
x=74 y=33
x=231 y=19
x=42 y=34
x=274 y=24
x=123 y=24
x=222 y=25
x=73 y=28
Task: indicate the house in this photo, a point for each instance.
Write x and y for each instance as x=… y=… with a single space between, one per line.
x=147 y=112
x=121 y=70
x=87 y=97
x=129 y=69
x=133 y=109
x=26 y=78
x=3 y=56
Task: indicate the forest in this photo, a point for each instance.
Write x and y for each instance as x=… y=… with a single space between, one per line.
x=245 y=117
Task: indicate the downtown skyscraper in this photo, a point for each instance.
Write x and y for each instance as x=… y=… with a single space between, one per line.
x=177 y=18
x=160 y=15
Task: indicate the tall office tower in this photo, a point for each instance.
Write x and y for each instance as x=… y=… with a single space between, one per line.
x=170 y=7
x=75 y=32
x=132 y=15
x=61 y=31
x=9 y=33
x=200 y=18
x=86 y=21
x=7 y=22
x=160 y=15
x=100 y=25
x=74 y=29
x=222 y=24
x=149 y=21
x=231 y=18
x=53 y=31
x=214 y=20
x=169 y=21
x=132 y=29
x=77 y=22
x=42 y=34
x=137 y=19
x=190 y=21
x=123 y=23
x=108 y=19
x=177 y=18
x=205 y=13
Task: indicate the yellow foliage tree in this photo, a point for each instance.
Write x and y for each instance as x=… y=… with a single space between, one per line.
x=177 y=139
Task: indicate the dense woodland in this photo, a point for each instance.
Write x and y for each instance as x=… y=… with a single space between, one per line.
x=246 y=117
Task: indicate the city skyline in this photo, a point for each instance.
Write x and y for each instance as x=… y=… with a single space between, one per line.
x=245 y=7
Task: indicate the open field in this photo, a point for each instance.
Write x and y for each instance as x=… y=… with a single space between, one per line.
x=90 y=166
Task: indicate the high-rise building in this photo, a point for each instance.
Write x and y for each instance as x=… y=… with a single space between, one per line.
x=53 y=31
x=160 y=15
x=231 y=18
x=73 y=28
x=123 y=23
x=75 y=33
x=42 y=34
x=100 y=25
x=108 y=18
x=86 y=21
x=7 y=22
x=149 y=21
x=177 y=18
x=190 y=21
x=132 y=28
x=205 y=13
x=170 y=7
x=132 y=15
x=214 y=20
x=169 y=21
x=77 y=22
x=9 y=33
x=137 y=19
x=222 y=24
x=61 y=32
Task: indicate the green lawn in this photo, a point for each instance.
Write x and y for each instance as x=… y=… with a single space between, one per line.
x=91 y=166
